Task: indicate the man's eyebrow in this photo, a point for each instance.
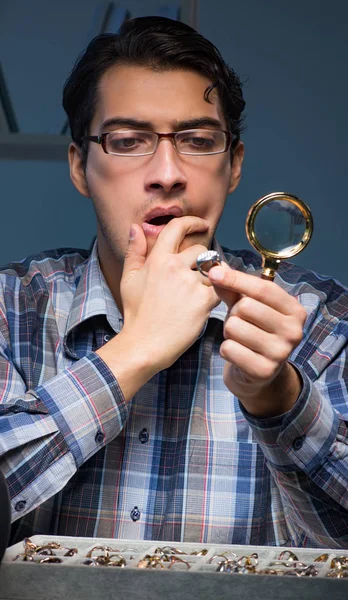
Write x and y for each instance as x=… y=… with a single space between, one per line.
x=176 y=125
x=197 y=123
x=125 y=122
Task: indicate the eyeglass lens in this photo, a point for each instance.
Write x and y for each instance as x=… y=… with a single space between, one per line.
x=139 y=143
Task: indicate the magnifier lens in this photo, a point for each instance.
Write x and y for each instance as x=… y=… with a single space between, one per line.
x=279 y=226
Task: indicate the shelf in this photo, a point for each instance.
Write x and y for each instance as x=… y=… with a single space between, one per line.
x=108 y=16
x=28 y=146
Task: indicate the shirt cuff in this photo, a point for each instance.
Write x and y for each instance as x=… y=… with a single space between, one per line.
x=299 y=440
x=87 y=405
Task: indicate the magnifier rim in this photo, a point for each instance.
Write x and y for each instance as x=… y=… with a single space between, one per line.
x=253 y=212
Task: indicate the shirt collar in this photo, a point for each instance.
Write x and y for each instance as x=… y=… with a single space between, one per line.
x=93 y=298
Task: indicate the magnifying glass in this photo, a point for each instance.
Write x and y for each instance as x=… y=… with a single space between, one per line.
x=278 y=226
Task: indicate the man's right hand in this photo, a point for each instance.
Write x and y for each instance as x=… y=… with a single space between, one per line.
x=165 y=304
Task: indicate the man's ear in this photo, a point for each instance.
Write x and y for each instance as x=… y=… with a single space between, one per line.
x=77 y=171
x=236 y=167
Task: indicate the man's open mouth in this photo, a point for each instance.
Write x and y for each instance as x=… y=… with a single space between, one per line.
x=161 y=215
x=162 y=220
x=158 y=218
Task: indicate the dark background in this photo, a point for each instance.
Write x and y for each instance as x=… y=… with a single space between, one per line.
x=292 y=57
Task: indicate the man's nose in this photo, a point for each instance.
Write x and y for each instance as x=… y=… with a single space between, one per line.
x=166 y=169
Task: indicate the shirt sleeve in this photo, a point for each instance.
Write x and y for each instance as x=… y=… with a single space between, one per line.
x=307 y=453
x=48 y=432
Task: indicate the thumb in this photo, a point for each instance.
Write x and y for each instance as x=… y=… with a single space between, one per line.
x=136 y=251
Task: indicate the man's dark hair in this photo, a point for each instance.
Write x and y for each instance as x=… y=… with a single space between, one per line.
x=162 y=45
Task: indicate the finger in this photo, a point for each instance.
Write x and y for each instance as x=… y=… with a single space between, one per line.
x=268 y=319
x=266 y=292
x=254 y=366
x=249 y=336
x=190 y=255
x=177 y=229
x=228 y=296
x=136 y=251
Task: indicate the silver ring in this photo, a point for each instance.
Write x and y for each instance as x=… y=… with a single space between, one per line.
x=207 y=260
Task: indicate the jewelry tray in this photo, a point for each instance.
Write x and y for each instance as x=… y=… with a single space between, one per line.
x=35 y=581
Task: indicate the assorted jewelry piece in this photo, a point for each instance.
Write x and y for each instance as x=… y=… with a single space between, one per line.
x=207 y=260
x=230 y=563
x=167 y=554
x=284 y=563
x=339 y=567
x=35 y=553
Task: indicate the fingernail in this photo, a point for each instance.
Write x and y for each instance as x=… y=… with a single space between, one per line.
x=131 y=233
x=216 y=274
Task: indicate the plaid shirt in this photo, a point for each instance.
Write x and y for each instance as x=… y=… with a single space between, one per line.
x=182 y=461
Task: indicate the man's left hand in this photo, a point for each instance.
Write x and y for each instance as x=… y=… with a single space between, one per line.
x=263 y=326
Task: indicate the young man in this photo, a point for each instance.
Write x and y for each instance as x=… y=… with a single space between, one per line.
x=141 y=400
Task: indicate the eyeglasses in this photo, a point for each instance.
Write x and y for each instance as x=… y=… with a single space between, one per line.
x=193 y=142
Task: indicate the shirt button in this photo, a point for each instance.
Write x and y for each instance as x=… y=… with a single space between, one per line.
x=107 y=338
x=135 y=514
x=298 y=443
x=144 y=436
x=99 y=437
x=20 y=505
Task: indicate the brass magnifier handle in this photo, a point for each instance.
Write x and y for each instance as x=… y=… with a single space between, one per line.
x=269 y=268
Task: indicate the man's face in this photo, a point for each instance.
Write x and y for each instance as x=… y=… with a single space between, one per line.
x=127 y=190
